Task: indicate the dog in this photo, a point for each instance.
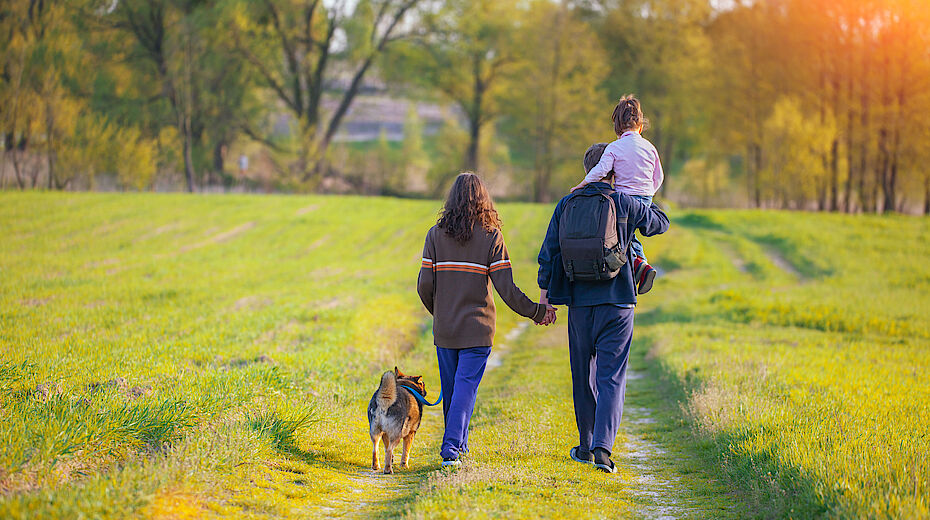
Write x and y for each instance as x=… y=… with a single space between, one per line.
x=394 y=414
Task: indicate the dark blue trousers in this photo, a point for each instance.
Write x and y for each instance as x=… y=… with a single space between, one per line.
x=599 y=339
x=460 y=371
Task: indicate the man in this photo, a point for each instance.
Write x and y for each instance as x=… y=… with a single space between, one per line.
x=600 y=321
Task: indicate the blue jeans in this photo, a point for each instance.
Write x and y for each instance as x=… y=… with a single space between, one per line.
x=460 y=372
x=635 y=245
x=599 y=339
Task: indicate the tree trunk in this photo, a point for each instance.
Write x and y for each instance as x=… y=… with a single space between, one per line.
x=927 y=194
x=835 y=175
x=749 y=176
x=864 y=203
x=336 y=119
x=850 y=160
x=7 y=148
x=17 y=169
x=476 y=115
x=471 y=153
x=49 y=147
x=757 y=167
x=219 y=151
x=891 y=185
x=188 y=162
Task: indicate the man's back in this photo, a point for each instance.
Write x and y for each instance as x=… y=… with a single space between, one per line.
x=631 y=215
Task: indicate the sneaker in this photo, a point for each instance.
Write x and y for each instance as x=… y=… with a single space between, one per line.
x=582 y=456
x=602 y=461
x=451 y=463
x=646 y=277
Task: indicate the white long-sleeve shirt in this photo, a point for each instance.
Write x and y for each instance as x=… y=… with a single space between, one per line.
x=635 y=163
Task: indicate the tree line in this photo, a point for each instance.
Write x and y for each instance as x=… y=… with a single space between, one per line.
x=807 y=104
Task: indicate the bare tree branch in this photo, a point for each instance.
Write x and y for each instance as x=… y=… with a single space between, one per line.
x=266 y=74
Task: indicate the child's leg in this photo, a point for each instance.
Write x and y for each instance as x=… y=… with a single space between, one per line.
x=636 y=248
x=635 y=244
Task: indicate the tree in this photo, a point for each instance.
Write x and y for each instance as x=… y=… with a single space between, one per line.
x=47 y=122
x=661 y=51
x=177 y=54
x=557 y=109
x=414 y=163
x=467 y=55
x=452 y=139
x=793 y=171
x=292 y=46
x=744 y=87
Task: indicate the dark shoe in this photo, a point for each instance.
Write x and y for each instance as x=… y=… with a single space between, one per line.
x=451 y=463
x=645 y=279
x=582 y=456
x=602 y=461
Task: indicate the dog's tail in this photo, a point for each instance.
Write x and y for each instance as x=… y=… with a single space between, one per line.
x=387 y=392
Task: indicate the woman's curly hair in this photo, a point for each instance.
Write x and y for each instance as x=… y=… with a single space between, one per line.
x=468 y=203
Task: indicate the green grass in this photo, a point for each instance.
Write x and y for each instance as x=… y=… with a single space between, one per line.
x=174 y=356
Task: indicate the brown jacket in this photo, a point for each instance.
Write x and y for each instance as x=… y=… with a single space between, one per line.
x=455 y=286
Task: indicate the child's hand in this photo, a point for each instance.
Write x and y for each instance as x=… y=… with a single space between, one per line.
x=578 y=187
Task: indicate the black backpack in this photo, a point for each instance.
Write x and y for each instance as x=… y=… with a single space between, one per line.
x=588 y=237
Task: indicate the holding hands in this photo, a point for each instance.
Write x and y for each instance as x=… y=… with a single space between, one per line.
x=550 y=316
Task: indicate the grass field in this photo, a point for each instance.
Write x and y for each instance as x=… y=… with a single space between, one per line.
x=175 y=356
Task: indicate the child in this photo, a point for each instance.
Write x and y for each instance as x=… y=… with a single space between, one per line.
x=464 y=254
x=637 y=172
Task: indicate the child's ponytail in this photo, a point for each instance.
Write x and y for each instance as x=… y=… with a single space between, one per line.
x=628 y=115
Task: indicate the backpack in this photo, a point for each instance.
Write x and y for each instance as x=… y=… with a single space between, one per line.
x=588 y=239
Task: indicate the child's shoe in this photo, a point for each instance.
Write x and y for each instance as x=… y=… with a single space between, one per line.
x=643 y=275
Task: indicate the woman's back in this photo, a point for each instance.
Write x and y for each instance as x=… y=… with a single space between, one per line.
x=464 y=314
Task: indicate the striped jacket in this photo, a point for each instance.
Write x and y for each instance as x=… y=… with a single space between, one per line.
x=455 y=286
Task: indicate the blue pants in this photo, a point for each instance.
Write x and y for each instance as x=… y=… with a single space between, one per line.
x=460 y=371
x=599 y=339
x=635 y=244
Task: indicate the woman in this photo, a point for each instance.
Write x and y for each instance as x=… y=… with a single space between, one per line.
x=463 y=250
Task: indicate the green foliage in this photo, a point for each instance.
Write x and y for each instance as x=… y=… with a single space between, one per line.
x=795 y=146
x=554 y=107
x=450 y=152
x=414 y=161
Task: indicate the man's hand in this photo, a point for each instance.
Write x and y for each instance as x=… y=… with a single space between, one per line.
x=550 y=316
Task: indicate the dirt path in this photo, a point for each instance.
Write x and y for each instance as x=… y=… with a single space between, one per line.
x=650 y=482
x=371 y=492
x=782 y=263
x=656 y=490
x=658 y=493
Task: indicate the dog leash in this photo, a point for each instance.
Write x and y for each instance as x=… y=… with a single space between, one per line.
x=422 y=399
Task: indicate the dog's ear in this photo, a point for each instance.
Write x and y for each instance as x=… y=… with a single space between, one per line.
x=396 y=372
x=418 y=379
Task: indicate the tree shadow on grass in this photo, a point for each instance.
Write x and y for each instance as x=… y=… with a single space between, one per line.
x=699 y=221
x=765 y=485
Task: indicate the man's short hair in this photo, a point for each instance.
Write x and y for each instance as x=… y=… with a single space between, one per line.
x=593 y=156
